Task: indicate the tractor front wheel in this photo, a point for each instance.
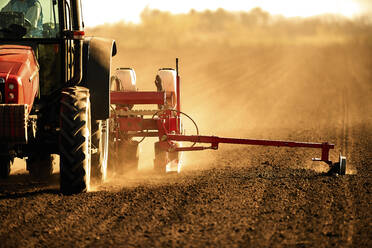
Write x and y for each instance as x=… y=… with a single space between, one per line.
x=75 y=140
x=100 y=145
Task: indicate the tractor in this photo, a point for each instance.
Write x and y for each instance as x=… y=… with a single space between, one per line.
x=57 y=97
x=54 y=94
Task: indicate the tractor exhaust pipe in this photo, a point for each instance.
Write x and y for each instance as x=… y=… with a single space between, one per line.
x=78 y=36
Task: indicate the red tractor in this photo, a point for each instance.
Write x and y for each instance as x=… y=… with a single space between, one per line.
x=54 y=93
x=55 y=99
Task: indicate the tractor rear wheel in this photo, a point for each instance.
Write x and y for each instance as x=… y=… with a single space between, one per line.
x=75 y=140
x=100 y=144
x=5 y=164
x=40 y=168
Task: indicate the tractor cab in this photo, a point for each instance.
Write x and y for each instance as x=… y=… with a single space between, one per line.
x=47 y=26
x=29 y=19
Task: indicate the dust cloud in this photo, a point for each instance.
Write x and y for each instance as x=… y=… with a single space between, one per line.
x=247 y=74
x=250 y=74
x=240 y=71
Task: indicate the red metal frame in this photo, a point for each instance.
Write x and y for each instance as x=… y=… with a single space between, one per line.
x=138 y=97
x=138 y=124
x=215 y=141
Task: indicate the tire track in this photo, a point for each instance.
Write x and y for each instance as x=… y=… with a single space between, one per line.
x=31 y=207
x=61 y=219
x=23 y=219
x=166 y=206
x=347 y=143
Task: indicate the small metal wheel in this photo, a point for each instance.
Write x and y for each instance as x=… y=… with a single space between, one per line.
x=339 y=167
x=342 y=165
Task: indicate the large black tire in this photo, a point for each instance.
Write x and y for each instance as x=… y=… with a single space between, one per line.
x=75 y=142
x=161 y=159
x=40 y=167
x=5 y=164
x=100 y=145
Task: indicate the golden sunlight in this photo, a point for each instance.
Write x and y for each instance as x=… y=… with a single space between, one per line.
x=291 y=8
x=113 y=10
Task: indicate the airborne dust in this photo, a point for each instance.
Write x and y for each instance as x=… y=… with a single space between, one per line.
x=243 y=75
x=248 y=74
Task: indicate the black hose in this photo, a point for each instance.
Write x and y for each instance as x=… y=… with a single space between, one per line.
x=174 y=110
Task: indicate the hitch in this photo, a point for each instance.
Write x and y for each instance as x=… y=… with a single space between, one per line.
x=338 y=167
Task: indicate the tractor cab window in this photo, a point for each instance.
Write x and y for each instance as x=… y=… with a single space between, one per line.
x=29 y=19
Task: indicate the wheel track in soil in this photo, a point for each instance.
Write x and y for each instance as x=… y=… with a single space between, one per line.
x=346 y=139
x=168 y=215
x=28 y=229
x=277 y=76
x=94 y=204
x=346 y=146
x=348 y=142
x=267 y=189
x=270 y=191
x=28 y=219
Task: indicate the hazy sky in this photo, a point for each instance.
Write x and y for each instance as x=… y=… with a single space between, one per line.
x=98 y=12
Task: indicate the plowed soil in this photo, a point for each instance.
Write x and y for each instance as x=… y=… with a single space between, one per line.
x=238 y=196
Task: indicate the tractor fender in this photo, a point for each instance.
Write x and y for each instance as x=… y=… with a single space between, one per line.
x=97 y=54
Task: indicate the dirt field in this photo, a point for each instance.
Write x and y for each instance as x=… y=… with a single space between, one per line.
x=238 y=196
